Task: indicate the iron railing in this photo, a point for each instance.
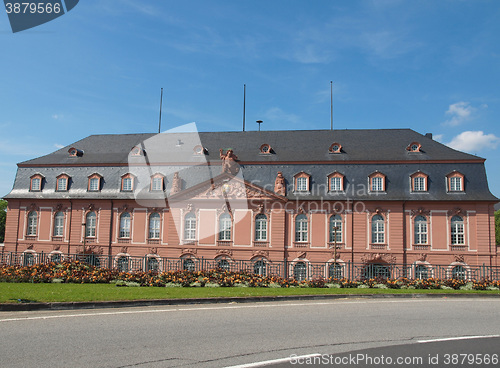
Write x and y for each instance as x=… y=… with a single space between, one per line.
x=300 y=270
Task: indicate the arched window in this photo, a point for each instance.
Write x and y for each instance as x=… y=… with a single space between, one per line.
x=125 y=225
x=56 y=257
x=301 y=228
x=190 y=226
x=335 y=271
x=259 y=268
x=225 y=227
x=458 y=273
x=378 y=233
x=300 y=271
x=152 y=264
x=261 y=227
x=32 y=223
x=457 y=230
x=154 y=226
x=122 y=264
x=223 y=264
x=90 y=224
x=420 y=229
x=421 y=272
x=59 y=224
x=335 y=229
x=189 y=265
x=28 y=259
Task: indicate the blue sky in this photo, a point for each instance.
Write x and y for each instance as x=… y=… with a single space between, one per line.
x=432 y=66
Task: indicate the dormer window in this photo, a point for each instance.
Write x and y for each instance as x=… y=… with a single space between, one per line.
x=74 y=152
x=157 y=182
x=127 y=183
x=265 y=149
x=36 y=183
x=377 y=182
x=336 y=182
x=414 y=147
x=302 y=182
x=335 y=148
x=62 y=183
x=419 y=182
x=455 y=182
x=199 y=150
x=94 y=183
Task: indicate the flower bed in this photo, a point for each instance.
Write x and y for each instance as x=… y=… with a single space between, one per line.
x=78 y=272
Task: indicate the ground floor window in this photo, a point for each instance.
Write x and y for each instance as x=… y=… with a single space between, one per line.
x=188 y=265
x=335 y=271
x=375 y=270
x=259 y=268
x=421 y=272
x=153 y=264
x=223 y=264
x=122 y=264
x=459 y=273
x=300 y=271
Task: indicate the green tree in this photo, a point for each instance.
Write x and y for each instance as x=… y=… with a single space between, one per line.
x=3 y=216
x=497 y=226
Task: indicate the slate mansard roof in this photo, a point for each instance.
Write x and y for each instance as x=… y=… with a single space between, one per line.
x=363 y=152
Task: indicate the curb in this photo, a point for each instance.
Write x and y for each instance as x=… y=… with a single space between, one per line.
x=6 y=307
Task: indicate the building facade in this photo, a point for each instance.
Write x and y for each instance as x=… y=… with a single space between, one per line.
x=305 y=197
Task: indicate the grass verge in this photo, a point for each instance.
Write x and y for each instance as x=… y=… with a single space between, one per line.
x=28 y=292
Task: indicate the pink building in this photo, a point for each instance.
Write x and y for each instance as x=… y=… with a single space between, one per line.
x=308 y=202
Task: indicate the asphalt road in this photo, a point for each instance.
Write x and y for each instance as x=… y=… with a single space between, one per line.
x=223 y=335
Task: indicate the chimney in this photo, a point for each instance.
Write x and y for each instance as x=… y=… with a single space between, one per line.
x=428 y=135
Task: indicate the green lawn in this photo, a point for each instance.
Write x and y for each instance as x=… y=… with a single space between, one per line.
x=13 y=292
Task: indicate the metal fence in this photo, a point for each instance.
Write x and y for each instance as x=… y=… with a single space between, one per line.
x=300 y=270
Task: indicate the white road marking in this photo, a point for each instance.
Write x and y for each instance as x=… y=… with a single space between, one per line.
x=238 y=306
x=459 y=338
x=274 y=361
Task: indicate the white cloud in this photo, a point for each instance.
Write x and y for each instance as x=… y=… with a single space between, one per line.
x=277 y=116
x=474 y=141
x=460 y=113
x=59 y=146
x=57 y=116
x=438 y=137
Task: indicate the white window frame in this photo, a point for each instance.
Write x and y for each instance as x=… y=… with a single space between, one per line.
x=421 y=230
x=225 y=227
x=94 y=184
x=457 y=224
x=190 y=226
x=59 y=224
x=378 y=230
x=336 y=184
x=302 y=184
x=157 y=183
x=377 y=184
x=125 y=222
x=154 y=225
x=301 y=228
x=335 y=221
x=90 y=225
x=261 y=227
x=456 y=184
x=38 y=187
x=32 y=223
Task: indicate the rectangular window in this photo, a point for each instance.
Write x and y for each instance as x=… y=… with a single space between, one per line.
x=335 y=184
x=419 y=184
x=157 y=183
x=94 y=185
x=127 y=185
x=302 y=185
x=62 y=184
x=35 y=184
x=377 y=184
x=456 y=184
x=58 y=225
